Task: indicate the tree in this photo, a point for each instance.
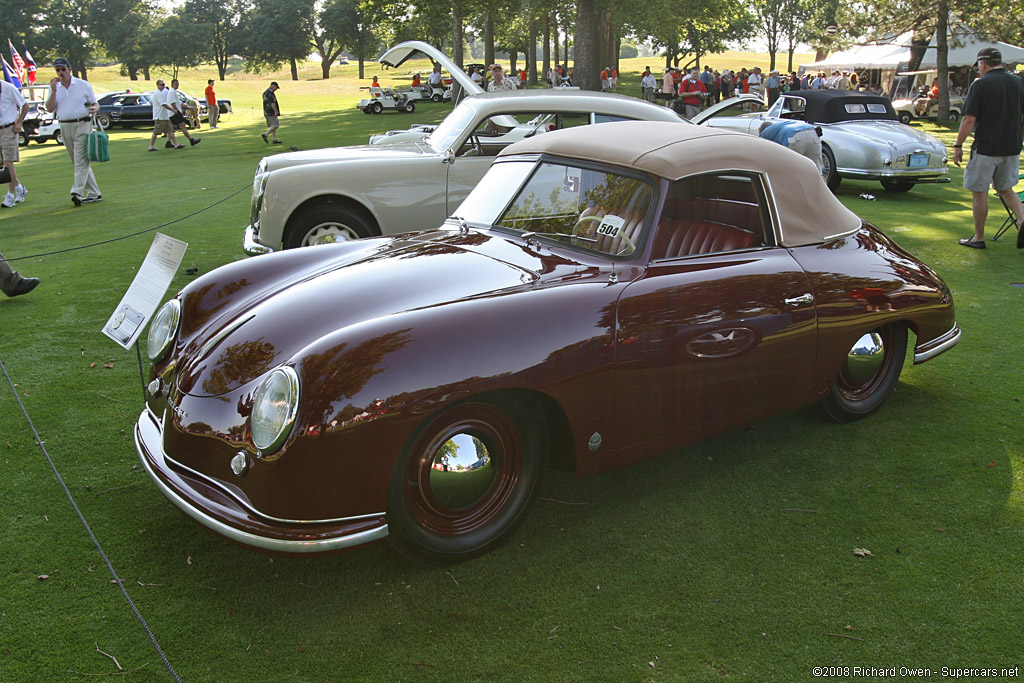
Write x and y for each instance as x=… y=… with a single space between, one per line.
x=66 y=34
x=173 y=43
x=330 y=27
x=123 y=28
x=224 y=19
x=278 y=31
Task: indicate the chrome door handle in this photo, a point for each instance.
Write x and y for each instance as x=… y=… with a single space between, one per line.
x=802 y=299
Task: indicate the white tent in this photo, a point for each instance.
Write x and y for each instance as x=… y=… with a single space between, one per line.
x=963 y=51
x=964 y=45
x=886 y=55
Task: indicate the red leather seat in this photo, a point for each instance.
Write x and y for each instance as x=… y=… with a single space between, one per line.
x=677 y=238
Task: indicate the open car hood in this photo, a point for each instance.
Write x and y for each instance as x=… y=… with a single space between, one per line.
x=397 y=55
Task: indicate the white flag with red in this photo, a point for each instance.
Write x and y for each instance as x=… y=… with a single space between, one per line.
x=19 y=63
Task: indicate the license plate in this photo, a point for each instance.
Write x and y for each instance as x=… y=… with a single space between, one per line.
x=918 y=160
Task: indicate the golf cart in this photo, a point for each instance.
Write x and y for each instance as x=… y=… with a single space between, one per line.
x=382 y=99
x=919 y=105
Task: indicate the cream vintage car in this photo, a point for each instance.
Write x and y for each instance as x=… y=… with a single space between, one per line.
x=328 y=195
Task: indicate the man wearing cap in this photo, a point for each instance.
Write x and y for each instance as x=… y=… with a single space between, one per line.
x=73 y=102
x=498 y=80
x=994 y=109
x=271 y=111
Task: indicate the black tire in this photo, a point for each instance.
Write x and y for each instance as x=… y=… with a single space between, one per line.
x=376 y=107
x=858 y=392
x=893 y=185
x=23 y=139
x=438 y=515
x=436 y=97
x=58 y=137
x=954 y=116
x=319 y=224
x=410 y=107
x=829 y=172
x=905 y=117
x=104 y=121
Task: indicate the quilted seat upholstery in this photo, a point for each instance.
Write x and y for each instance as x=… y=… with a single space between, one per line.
x=691 y=237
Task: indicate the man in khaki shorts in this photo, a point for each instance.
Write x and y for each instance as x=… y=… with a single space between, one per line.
x=162 y=111
x=994 y=109
x=13 y=108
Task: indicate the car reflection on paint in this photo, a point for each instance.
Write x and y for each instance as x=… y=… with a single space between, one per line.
x=595 y=301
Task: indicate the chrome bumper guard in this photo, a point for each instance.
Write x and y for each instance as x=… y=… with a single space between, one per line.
x=938 y=345
x=148 y=441
x=250 y=246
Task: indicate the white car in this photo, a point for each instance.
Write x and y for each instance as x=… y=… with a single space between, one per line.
x=861 y=136
x=329 y=195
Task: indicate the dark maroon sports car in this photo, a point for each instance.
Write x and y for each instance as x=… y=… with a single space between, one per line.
x=605 y=294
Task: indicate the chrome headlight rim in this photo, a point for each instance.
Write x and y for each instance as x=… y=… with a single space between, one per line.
x=172 y=310
x=285 y=428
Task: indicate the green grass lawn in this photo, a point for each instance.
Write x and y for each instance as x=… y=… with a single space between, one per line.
x=731 y=559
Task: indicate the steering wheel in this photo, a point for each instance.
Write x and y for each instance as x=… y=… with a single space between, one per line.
x=584 y=220
x=478 y=147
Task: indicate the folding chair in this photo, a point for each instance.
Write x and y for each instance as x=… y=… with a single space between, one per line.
x=1011 y=220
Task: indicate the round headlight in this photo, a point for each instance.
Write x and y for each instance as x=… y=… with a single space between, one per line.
x=273 y=410
x=162 y=330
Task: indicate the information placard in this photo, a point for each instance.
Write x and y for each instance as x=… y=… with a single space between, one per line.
x=146 y=291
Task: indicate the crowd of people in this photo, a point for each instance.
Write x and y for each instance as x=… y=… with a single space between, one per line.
x=690 y=90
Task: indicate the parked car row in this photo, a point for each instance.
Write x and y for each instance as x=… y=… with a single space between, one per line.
x=130 y=109
x=590 y=281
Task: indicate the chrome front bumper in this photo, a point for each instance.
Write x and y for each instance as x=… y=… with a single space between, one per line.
x=250 y=246
x=938 y=345
x=149 y=443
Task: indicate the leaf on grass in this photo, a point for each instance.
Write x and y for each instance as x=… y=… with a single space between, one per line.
x=108 y=365
x=43 y=577
x=848 y=627
x=991 y=464
x=93 y=364
x=862 y=552
x=188 y=560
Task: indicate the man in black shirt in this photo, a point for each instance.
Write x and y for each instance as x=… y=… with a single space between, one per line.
x=271 y=111
x=995 y=105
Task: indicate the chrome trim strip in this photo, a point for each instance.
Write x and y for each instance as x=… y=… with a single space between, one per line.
x=951 y=339
x=250 y=246
x=246 y=538
x=843 y=234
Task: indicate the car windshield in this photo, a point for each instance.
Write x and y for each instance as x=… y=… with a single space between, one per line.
x=449 y=130
x=593 y=210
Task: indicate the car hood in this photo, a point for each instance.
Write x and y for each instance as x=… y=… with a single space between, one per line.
x=884 y=133
x=399 y=150
x=398 y=54
x=317 y=295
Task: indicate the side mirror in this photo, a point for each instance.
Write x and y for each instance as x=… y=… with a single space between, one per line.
x=449 y=157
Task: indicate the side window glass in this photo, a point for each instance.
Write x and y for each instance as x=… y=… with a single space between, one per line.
x=711 y=214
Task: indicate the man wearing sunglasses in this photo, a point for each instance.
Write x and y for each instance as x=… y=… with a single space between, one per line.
x=73 y=102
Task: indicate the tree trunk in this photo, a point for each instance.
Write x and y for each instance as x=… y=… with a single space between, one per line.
x=145 y=73
x=587 y=71
x=489 y=38
x=531 y=54
x=295 y=68
x=325 y=66
x=458 y=38
x=554 y=40
x=942 y=59
x=133 y=73
x=513 y=57
x=546 y=33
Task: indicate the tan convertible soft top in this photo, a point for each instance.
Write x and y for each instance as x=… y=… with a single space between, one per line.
x=808 y=212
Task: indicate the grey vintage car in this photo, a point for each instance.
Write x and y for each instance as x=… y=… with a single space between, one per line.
x=861 y=136
x=328 y=195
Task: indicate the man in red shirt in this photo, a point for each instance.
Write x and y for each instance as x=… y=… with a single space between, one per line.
x=604 y=80
x=212 y=108
x=691 y=103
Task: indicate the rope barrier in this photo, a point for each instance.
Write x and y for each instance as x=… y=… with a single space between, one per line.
x=110 y=567
x=134 y=234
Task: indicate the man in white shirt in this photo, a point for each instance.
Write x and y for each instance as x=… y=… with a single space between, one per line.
x=13 y=108
x=178 y=117
x=754 y=82
x=648 y=84
x=74 y=102
x=162 y=111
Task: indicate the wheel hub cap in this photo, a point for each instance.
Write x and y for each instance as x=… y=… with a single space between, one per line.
x=865 y=358
x=462 y=471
